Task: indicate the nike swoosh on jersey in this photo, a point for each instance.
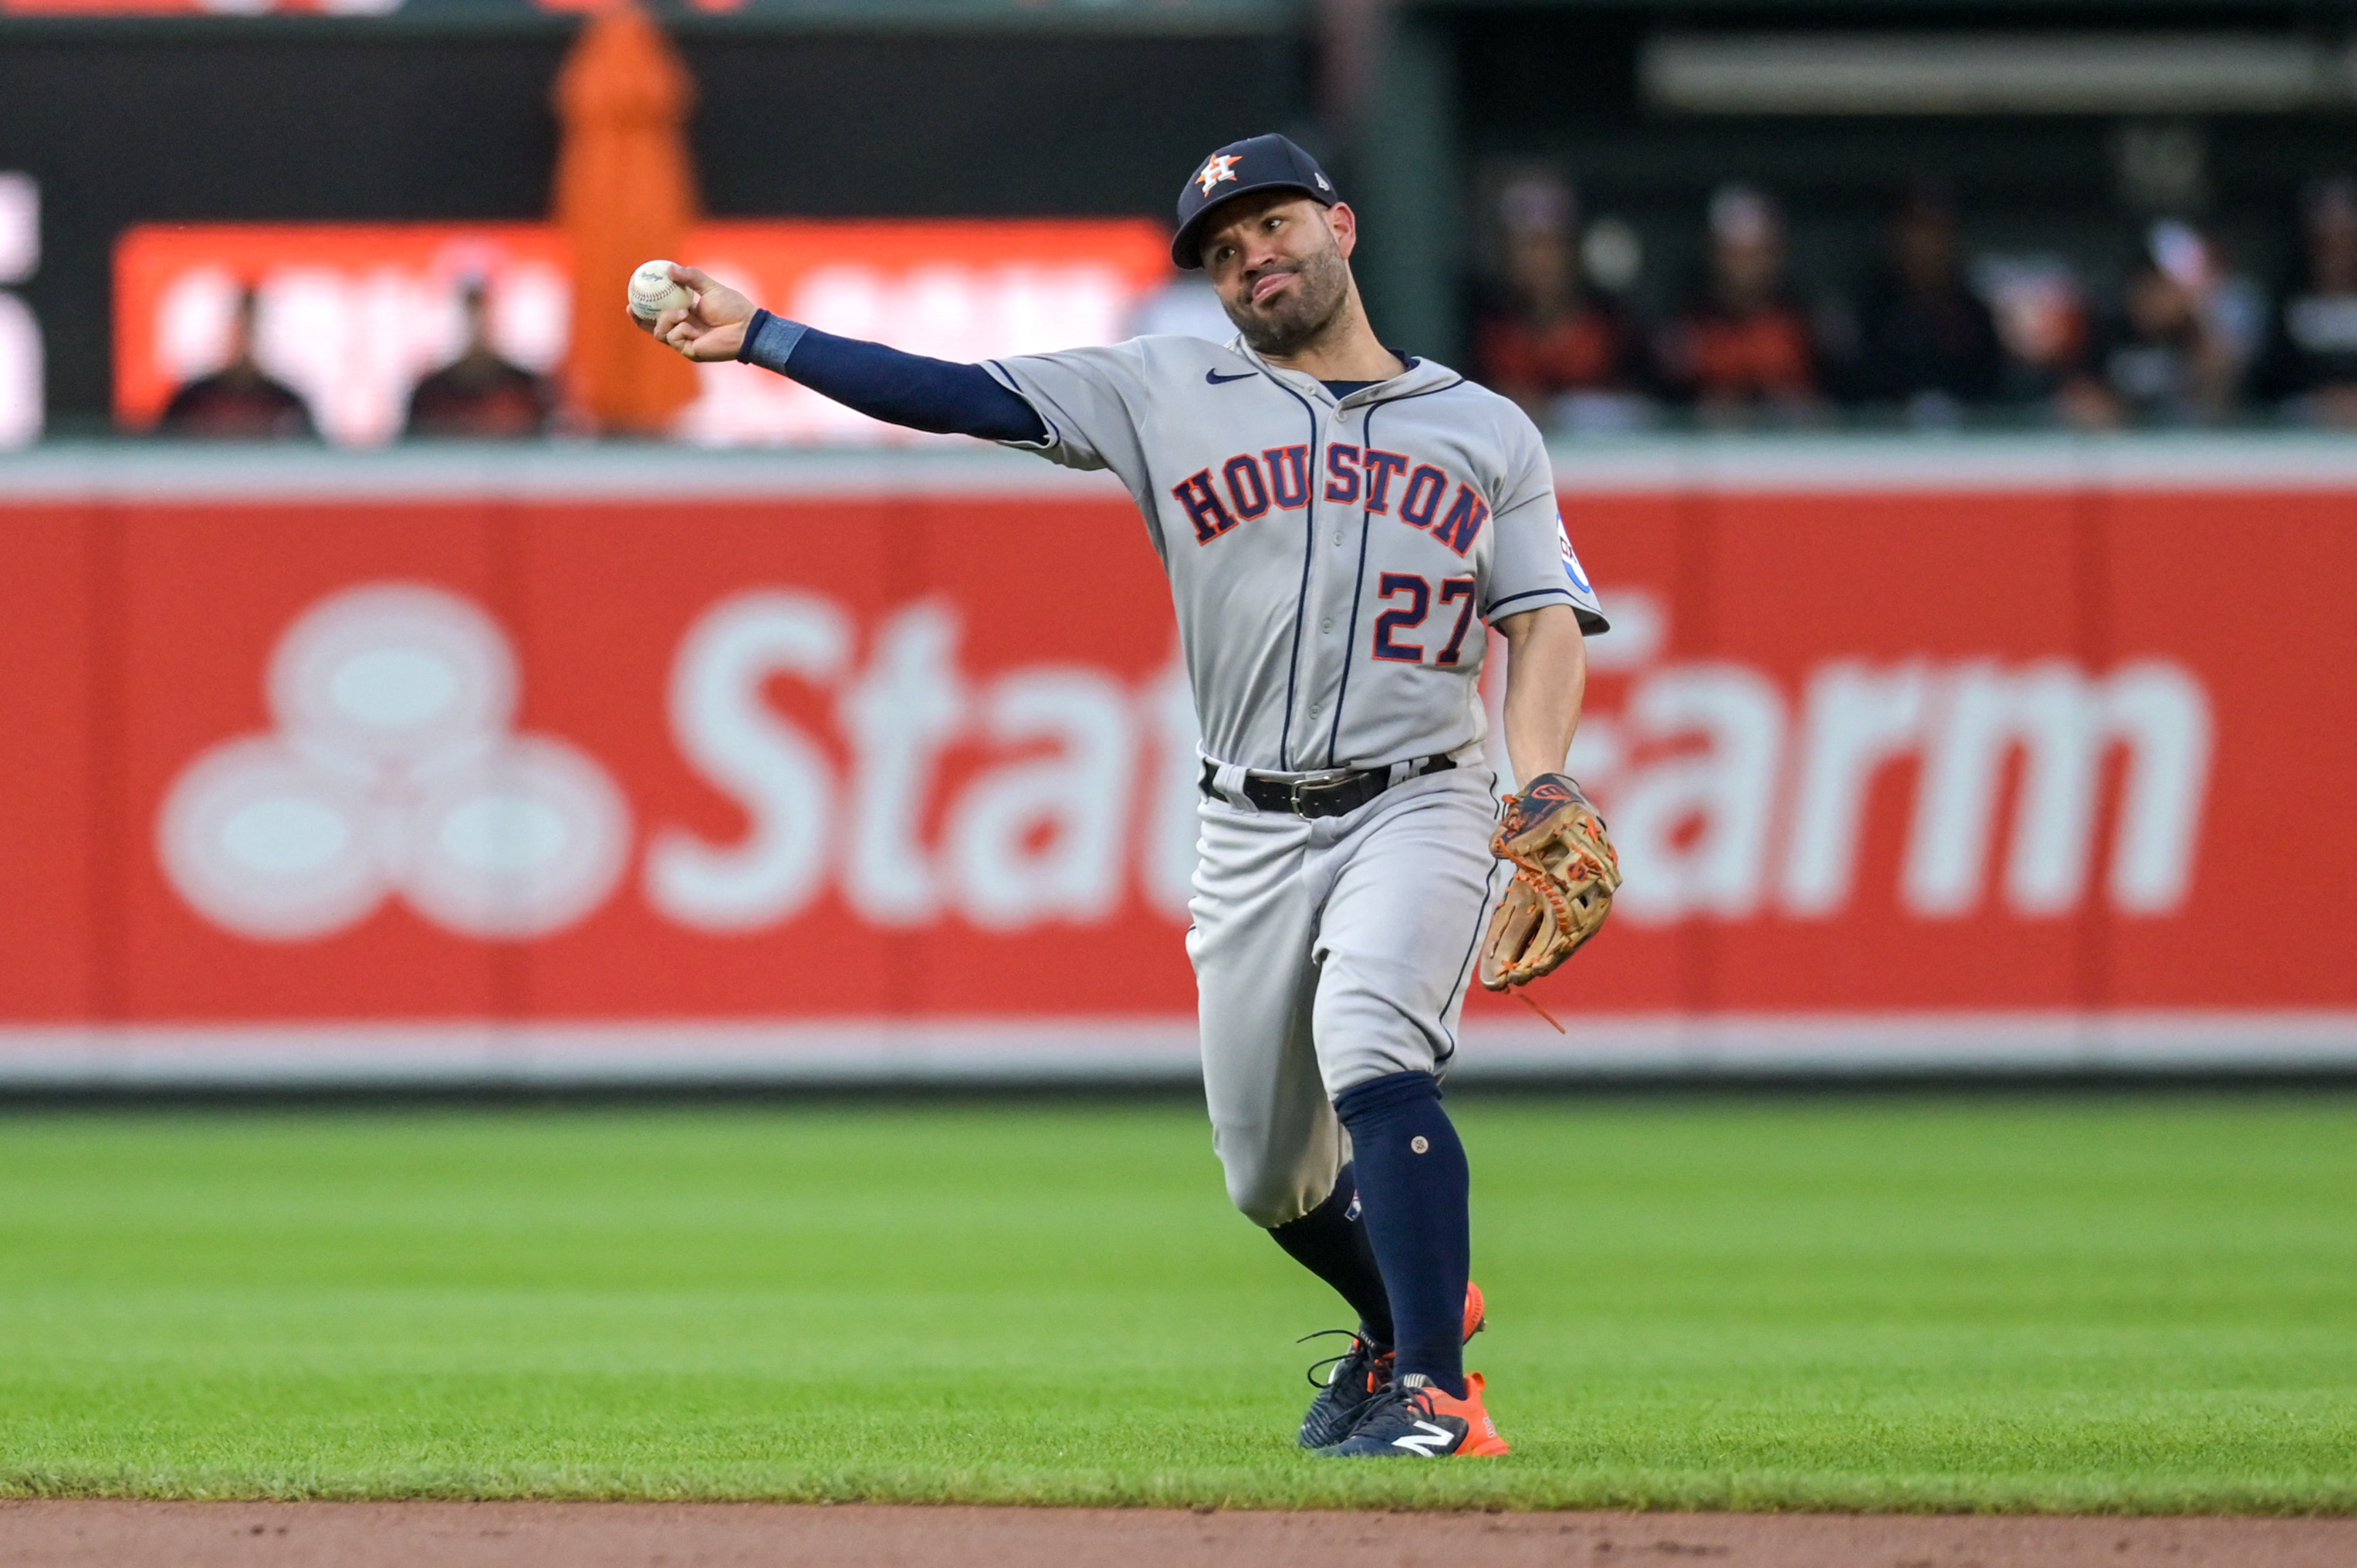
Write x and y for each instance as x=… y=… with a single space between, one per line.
x=1215 y=377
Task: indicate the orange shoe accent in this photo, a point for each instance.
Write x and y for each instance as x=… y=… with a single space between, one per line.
x=1481 y=1439
x=1476 y=1311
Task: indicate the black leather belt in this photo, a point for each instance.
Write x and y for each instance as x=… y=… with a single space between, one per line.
x=1325 y=794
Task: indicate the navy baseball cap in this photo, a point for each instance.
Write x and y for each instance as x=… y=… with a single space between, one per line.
x=1257 y=163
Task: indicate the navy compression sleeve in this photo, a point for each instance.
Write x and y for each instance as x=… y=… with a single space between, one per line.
x=884 y=383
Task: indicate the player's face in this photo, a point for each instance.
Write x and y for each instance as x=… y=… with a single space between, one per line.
x=1281 y=265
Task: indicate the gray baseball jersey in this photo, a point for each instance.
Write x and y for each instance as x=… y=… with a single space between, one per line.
x=1332 y=563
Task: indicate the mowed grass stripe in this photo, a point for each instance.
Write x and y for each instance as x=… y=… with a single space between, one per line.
x=2137 y=1304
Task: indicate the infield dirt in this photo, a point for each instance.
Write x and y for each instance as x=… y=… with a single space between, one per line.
x=84 y=1534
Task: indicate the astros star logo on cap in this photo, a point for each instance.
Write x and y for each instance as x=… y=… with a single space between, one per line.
x=1219 y=166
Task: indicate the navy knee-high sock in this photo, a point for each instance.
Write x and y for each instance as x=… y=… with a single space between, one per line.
x=1414 y=1187
x=1331 y=1241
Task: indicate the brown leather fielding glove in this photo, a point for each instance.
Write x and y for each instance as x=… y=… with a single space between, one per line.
x=1565 y=872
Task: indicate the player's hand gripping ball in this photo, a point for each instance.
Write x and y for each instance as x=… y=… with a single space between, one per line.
x=653 y=292
x=1565 y=872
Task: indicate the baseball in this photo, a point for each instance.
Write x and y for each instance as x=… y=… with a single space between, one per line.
x=653 y=292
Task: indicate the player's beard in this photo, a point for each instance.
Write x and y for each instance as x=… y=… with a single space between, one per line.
x=1302 y=314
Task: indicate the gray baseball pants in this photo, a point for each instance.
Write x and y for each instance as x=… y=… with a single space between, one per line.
x=1328 y=952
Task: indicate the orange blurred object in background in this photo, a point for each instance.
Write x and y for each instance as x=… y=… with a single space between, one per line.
x=625 y=192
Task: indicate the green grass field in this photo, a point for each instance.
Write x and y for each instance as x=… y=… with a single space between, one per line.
x=2125 y=1303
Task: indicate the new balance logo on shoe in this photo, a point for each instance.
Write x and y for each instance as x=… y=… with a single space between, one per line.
x=1426 y=1440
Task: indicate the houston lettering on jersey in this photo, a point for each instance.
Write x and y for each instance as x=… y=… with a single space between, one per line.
x=1247 y=486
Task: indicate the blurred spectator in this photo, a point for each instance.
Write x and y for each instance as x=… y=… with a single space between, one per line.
x=2046 y=329
x=1741 y=351
x=2311 y=357
x=1567 y=354
x=479 y=393
x=239 y=401
x=1926 y=342
x=2185 y=334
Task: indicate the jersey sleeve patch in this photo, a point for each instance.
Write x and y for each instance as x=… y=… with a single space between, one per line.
x=1571 y=565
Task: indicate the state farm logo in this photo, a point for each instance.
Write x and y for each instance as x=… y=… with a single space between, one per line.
x=394 y=773
x=920 y=792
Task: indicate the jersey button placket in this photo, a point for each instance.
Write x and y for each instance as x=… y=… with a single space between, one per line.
x=1335 y=588
x=1341 y=417
x=1307 y=659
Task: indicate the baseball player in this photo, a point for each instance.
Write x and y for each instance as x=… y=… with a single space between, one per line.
x=1339 y=523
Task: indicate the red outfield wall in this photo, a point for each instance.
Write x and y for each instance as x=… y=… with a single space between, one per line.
x=565 y=766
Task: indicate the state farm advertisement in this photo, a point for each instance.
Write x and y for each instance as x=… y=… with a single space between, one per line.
x=1990 y=775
